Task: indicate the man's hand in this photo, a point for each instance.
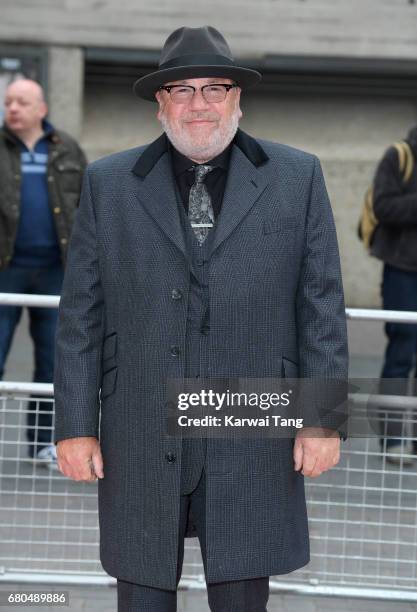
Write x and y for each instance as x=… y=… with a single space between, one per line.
x=316 y=450
x=80 y=458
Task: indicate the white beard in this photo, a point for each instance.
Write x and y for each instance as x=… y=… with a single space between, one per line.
x=211 y=147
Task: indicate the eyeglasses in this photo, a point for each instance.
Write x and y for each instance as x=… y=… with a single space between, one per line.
x=214 y=92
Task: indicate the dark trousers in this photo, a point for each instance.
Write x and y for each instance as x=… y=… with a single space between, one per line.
x=399 y=292
x=236 y=596
x=46 y=281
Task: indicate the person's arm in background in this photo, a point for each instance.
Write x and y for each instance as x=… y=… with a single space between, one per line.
x=78 y=348
x=391 y=205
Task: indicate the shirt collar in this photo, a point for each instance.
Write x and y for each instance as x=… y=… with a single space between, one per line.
x=47 y=127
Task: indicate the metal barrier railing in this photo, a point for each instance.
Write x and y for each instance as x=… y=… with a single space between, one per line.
x=368 y=314
x=362 y=513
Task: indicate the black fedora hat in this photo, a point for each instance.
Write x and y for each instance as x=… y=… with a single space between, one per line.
x=191 y=53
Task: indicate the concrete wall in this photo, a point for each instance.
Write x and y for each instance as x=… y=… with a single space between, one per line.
x=378 y=28
x=348 y=134
x=66 y=88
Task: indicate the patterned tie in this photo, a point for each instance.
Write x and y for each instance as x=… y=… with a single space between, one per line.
x=200 y=209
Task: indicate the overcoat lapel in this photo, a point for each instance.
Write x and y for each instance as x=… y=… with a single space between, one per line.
x=245 y=184
x=156 y=192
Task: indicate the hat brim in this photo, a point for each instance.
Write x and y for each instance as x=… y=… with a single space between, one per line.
x=146 y=86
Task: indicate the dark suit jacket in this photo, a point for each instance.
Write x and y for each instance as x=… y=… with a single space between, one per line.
x=276 y=303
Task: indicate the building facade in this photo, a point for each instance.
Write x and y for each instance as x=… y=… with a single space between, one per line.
x=340 y=81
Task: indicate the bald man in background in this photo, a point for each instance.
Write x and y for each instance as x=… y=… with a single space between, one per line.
x=41 y=171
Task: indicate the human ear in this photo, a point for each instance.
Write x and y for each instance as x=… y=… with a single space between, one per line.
x=158 y=96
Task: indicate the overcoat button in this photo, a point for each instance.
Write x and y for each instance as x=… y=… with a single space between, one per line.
x=175 y=351
x=176 y=294
x=170 y=457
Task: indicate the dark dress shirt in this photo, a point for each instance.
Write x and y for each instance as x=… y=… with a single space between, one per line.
x=215 y=180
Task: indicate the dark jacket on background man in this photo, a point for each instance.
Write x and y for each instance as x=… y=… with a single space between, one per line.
x=395 y=207
x=66 y=165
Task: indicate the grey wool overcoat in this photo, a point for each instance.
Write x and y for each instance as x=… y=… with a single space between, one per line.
x=276 y=308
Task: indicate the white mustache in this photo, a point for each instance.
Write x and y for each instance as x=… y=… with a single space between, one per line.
x=201 y=118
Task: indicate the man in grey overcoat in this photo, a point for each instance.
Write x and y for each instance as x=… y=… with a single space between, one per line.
x=210 y=254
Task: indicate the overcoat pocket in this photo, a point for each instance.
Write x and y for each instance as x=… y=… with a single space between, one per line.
x=108 y=382
x=110 y=346
x=280 y=223
x=290 y=368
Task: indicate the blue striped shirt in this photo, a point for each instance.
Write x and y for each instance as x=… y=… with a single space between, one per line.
x=36 y=241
